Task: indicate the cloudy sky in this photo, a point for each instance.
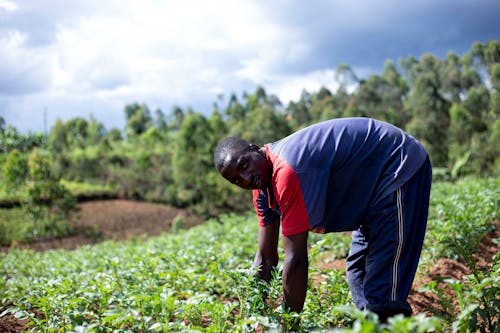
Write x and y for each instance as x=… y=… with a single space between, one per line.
x=82 y=57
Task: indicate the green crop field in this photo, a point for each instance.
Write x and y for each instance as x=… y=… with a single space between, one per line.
x=200 y=280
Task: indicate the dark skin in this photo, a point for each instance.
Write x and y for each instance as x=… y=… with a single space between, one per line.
x=250 y=169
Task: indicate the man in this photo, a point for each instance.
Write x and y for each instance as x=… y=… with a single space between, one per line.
x=349 y=174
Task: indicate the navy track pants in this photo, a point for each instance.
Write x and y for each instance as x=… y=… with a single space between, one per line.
x=385 y=250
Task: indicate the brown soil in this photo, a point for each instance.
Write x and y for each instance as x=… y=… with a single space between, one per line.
x=117 y=220
x=427 y=302
x=10 y=324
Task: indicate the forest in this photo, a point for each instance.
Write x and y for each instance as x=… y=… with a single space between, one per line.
x=451 y=105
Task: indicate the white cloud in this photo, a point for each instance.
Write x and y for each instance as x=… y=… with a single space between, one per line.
x=8 y=5
x=162 y=47
x=289 y=88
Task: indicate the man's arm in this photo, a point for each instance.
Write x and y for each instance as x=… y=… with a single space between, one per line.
x=295 y=271
x=267 y=252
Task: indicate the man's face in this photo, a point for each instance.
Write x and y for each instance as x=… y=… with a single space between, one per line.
x=249 y=169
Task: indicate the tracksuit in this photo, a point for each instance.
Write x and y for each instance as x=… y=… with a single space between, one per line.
x=360 y=175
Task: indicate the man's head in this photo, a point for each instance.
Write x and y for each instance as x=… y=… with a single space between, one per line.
x=242 y=163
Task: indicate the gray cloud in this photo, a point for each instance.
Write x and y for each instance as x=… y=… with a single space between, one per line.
x=365 y=34
x=21 y=71
x=40 y=19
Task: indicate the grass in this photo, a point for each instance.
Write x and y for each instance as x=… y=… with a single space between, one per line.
x=13 y=225
x=79 y=189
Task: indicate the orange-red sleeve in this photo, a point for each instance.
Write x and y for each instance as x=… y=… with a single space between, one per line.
x=289 y=194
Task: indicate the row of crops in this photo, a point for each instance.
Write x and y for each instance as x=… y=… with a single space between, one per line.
x=201 y=280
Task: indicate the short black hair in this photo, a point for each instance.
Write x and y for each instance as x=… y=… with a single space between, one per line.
x=228 y=145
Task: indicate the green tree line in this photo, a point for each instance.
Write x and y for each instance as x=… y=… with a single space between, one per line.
x=452 y=105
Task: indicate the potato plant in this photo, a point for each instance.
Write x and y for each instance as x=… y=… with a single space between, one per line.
x=201 y=280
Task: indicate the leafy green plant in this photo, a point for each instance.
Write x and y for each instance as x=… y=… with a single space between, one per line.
x=200 y=280
x=477 y=303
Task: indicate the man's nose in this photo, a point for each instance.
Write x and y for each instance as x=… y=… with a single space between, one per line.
x=246 y=177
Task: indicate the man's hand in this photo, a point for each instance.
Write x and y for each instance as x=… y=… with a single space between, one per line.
x=295 y=271
x=267 y=253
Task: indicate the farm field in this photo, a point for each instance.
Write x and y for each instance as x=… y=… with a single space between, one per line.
x=200 y=280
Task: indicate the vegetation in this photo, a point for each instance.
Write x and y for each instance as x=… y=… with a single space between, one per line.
x=200 y=279
x=452 y=105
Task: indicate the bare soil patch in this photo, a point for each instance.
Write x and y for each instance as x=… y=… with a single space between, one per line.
x=116 y=220
x=11 y=324
x=423 y=302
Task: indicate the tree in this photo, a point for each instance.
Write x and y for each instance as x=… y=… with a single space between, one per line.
x=151 y=137
x=263 y=125
x=15 y=170
x=410 y=68
x=96 y=131
x=10 y=139
x=324 y=105
x=451 y=73
x=367 y=100
x=488 y=53
x=470 y=76
x=138 y=119
x=77 y=132
x=58 y=140
x=235 y=111
x=218 y=129
x=114 y=134
x=256 y=99
x=191 y=159
x=345 y=76
x=394 y=95
x=299 y=112
x=48 y=201
x=428 y=107
x=160 y=121
x=429 y=110
x=178 y=118
x=495 y=76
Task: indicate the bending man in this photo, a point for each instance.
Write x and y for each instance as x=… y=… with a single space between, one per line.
x=349 y=174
